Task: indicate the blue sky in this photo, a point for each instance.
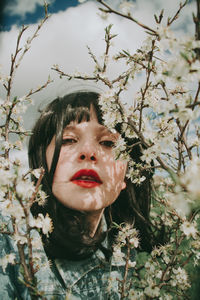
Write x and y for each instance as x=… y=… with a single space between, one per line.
x=8 y=15
x=18 y=12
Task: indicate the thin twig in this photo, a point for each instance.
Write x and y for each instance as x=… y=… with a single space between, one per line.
x=196 y=20
x=123 y=282
x=37 y=187
x=127 y=16
x=196 y=97
x=94 y=59
x=171 y=20
x=149 y=70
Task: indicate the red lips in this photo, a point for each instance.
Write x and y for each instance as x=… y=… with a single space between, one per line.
x=86 y=178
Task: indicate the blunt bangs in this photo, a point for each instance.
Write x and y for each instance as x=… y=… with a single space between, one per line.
x=76 y=107
x=73 y=107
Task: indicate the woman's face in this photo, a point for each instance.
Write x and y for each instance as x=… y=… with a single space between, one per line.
x=87 y=177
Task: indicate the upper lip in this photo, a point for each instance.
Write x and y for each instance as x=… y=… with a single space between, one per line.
x=91 y=174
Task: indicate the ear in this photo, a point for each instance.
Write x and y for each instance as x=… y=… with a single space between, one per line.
x=123 y=185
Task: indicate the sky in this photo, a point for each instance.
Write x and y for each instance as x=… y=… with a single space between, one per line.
x=27 y=12
x=64 y=38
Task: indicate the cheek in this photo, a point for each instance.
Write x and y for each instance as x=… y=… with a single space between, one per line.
x=117 y=175
x=121 y=168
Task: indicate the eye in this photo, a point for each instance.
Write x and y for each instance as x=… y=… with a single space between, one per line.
x=108 y=143
x=68 y=141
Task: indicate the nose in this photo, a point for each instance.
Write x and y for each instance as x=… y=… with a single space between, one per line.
x=91 y=157
x=88 y=153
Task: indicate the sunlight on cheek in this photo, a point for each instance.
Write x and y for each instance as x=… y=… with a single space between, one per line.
x=120 y=168
x=93 y=201
x=80 y=199
x=101 y=198
x=87 y=200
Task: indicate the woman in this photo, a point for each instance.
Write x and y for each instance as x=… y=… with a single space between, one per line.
x=87 y=191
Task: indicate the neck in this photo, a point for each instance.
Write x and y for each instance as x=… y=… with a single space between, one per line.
x=94 y=218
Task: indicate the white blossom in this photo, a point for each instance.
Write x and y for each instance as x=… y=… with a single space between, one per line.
x=189 y=228
x=164 y=32
x=41 y=197
x=150 y=266
x=134 y=241
x=25 y=189
x=18 y=145
x=111 y=109
x=152 y=291
x=7 y=259
x=20 y=238
x=126 y=7
x=45 y=223
x=6 y=177
x=36 y=172
x=131 y=264
x=180 y=202
x=12 y=208
x=118 y=256
x=2 y=195
x=37 y=243
x=135 y=295
x=190 y=179
x=120 y=150
x=180 y=278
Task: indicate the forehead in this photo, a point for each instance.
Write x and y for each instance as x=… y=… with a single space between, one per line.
x=84 y=125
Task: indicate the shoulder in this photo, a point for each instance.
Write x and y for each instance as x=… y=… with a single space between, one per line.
x=92 y=278
x=10 y=287
x=7 y=245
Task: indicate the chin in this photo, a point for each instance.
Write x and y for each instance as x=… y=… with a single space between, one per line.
x=87 y=207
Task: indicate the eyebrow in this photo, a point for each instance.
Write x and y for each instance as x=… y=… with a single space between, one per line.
x=70 y=127
x=100 y=128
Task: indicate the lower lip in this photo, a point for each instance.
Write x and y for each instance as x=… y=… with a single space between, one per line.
x=86 y=184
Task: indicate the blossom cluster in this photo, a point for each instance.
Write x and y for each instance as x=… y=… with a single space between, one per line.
x=163 y=121
x=17 y=191
x=127 y=235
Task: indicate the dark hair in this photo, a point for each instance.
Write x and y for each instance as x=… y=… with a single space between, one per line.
x=70 y=237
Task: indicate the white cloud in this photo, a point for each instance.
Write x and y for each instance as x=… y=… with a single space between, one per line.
x=21 y=7
x=145 y=10
x=63 y=41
